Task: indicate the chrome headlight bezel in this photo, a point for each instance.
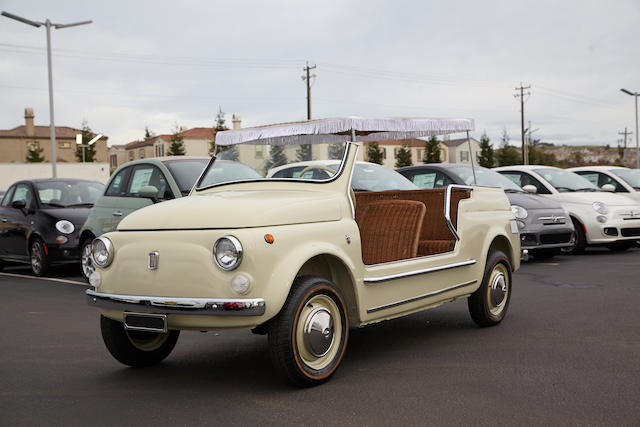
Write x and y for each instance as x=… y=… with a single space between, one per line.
x=519 y=212
x=227 y=246
x=65 y=227
x=102 y=252
x=600 y=207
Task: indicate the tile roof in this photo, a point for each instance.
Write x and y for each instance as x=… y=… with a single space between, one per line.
x=198 y=133
x=62 y=132
x=456 y=142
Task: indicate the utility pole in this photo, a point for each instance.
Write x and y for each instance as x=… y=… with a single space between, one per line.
x=635 y=95
x=521 y=95
x=625 y=134
x=308 y=78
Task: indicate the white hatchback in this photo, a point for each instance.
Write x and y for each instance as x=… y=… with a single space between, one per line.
x=599 y=217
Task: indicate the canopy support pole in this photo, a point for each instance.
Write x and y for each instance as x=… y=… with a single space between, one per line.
x=473 y=168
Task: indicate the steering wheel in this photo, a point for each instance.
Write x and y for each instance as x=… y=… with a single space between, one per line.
x=321 y=167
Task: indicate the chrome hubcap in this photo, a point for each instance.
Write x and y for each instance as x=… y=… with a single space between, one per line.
x=498 y=290
x=318 y=332
x=36 y=257
x=87 y=263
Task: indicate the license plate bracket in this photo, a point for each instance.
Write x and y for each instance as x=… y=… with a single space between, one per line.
x=147 y=322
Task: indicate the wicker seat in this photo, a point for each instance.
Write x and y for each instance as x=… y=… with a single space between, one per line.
x=390 y=230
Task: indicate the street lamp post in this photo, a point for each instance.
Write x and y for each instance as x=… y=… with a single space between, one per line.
x=635 y=94
x=48 y=24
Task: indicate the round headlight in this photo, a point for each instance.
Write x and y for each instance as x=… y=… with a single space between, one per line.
x=227 y=252
x=519 y=211
x=600 y=207
x=102 y=251
x=65 y=226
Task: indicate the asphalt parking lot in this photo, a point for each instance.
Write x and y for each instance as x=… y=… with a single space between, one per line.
x=566 y=354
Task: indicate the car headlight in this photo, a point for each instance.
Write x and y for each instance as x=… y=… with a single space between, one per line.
x=227 y=252
x=102 y=251
x=519 y=211
x=65 y=226
x=600 y=207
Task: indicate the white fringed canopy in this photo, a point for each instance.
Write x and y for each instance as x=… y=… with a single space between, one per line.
x=340 y=130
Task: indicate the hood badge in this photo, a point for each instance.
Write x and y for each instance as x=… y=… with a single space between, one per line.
x=152 y=260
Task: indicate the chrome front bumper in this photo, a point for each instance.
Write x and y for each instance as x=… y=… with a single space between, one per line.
x=169 y=305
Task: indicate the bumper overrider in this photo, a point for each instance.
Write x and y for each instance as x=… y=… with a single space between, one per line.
x=171 y=305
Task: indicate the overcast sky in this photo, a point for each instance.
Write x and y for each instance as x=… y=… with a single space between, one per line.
x=158 y=63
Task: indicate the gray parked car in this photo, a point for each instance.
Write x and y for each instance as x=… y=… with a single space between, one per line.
x=545 y=227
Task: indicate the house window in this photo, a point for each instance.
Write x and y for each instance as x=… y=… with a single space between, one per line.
x=259 y=151
x=113 y=161
x=130 y=155
x=159 y=150
x=141 y=153
x=464 y=156
x=384 y=153
x=420 y=154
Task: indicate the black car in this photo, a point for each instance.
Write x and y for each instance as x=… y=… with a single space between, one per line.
x=40 y=221
x=545 y=227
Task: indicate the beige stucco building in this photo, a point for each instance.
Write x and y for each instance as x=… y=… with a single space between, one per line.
x=15 y=143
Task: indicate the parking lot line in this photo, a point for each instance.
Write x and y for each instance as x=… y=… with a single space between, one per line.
x=73 y=282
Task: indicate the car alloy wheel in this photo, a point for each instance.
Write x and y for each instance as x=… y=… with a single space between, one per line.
x=87 y=262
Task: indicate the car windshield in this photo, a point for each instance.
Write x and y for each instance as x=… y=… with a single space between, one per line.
x=564 y=181
x=185 y=172
x=630 y=176
x=485 y=177
x=64 y=194
x=262 y=162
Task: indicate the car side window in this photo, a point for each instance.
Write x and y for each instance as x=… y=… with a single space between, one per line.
x=442 y=180
x=592 y=177
x=522 y=179
x=144 y=175
x=604 y=179
x=7 y=196
x=425 y=180
x=23 y=192
x=117 y=187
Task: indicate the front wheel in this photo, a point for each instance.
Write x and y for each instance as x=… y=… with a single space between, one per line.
x=489 y=303
x=40 y=264
x=136 y=348
x=579 y=240
x=307 y=339
x=85 y=258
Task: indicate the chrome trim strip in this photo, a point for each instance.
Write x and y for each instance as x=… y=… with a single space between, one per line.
x=169 y=305
x=447 y=206
x=420 y=297
x=418 y=272
x=353 y=168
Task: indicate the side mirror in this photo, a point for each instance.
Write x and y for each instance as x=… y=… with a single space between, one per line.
x=531 y=189
x=608 y=188
x=148 y=192
x=19 y=204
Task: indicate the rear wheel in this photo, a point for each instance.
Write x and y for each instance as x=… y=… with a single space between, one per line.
x=488 y=305
x=136 y=348
x=40 y=264
x=307 y=339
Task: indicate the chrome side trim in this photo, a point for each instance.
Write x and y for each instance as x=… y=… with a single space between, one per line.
x=169 y=305
x=553 y=219
x=447 y=206
x=368 y=280
x=420 y=297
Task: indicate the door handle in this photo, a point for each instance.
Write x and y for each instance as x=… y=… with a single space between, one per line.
x=117 y=213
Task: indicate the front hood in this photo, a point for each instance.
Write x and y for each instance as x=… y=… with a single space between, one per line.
x=236 y=209
x=532 y=201
x=77 y=216
x=588 y=197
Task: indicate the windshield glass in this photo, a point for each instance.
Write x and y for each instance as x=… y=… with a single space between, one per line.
x=564 y=181
x=630 y=176
x=486 y=177
x=274 y=162
x=63 y=194
x=185 y=172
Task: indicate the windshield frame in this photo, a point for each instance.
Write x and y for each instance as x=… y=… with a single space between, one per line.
x=349 y=145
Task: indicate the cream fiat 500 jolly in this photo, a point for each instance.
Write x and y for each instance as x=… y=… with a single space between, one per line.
x=302 y=259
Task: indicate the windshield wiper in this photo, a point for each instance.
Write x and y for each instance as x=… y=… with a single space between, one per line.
x=79 y=204
x=512 y=190
x=565 y=189
x=587 y=189
x=359 y=189
x=55 y=205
